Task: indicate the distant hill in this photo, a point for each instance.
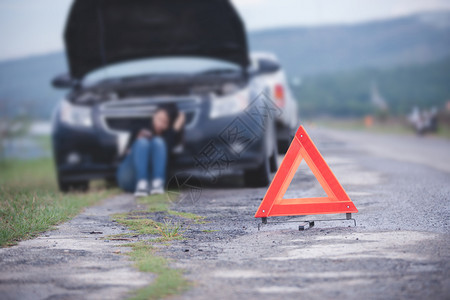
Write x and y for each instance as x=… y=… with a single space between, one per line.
x=25 y=85
x=381 y=44
x=304 y=52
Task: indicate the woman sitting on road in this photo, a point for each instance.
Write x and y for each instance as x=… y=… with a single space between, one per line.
x=147 y=152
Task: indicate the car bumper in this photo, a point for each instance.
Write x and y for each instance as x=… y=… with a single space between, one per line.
x=210 y=148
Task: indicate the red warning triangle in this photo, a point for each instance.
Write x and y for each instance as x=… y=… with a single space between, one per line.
x=273 y=204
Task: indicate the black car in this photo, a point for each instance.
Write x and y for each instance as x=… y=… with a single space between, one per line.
x=127 y=57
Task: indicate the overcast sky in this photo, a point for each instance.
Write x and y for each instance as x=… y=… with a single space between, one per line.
x=30 y=27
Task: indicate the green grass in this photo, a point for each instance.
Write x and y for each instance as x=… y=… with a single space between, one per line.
x=168 y=281
x=169 y=230
x=196 y=218
x=30 y=202
x=138 y=222
x=161 y=203
x=444 y=131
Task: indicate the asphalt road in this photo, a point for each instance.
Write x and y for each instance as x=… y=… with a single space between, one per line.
x=399 y=248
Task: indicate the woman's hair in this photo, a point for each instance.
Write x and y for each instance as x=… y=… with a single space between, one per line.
x=172 y=111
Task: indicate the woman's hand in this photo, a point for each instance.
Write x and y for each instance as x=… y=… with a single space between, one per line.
x=144 y=133
x=179 y=122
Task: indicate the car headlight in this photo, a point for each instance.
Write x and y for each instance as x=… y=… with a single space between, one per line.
x=75 y=115
x=230 y=104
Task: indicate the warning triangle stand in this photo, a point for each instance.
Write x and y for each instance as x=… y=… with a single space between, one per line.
x=273 y=204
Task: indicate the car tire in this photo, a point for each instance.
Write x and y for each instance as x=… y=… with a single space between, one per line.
x=283 y=146
x=259 y=177
x=76 y=186
x=111 y=182
x=273 y=160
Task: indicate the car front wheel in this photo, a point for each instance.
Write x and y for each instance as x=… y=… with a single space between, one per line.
x=258 y=177
x=77 y=186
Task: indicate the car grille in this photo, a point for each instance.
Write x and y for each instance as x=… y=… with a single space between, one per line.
x=127 y=123
x=131 y=114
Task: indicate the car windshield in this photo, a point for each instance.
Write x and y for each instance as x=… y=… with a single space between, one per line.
x=155 y=66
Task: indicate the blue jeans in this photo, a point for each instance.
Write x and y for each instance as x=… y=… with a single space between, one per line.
x=146 y=160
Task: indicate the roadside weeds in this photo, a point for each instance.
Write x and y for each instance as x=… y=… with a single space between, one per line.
x=30 y=202
x=168 y=281
x=150 y=233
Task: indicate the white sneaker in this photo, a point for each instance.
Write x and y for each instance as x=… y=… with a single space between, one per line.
x=141 y=188
x=157 y=187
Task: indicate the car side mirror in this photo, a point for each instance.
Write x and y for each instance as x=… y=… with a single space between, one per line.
x=64 y=81
x=266 y=66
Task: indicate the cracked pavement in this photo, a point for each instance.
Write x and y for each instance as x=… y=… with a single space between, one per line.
x=399 y=248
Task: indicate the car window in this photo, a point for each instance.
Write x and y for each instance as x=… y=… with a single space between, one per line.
x=172 y=65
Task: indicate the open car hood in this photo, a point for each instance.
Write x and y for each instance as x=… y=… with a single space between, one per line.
x=102 y=32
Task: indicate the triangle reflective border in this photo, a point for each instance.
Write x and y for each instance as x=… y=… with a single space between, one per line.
x=303 y=148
